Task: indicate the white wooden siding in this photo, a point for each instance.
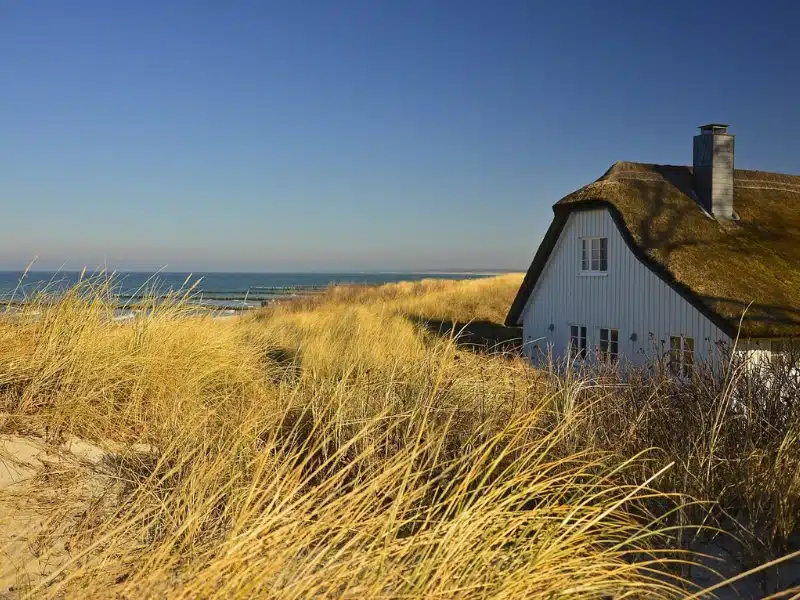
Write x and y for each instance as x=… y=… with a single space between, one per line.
x=759 y=350
x=630 y=298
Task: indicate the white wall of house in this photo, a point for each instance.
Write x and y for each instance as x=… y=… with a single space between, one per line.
x=764 y=350
x=629 y=298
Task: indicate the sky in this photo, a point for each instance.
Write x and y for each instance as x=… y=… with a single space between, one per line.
x=359 y=134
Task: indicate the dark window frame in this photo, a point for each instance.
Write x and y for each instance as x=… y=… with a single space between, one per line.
x=681 y=355
x=577 y=342
x=608 y=346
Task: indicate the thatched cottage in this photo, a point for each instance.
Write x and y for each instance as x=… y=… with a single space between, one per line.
x=665 y=259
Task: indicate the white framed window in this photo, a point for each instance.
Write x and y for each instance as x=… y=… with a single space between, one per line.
x=594 y=255
x=577 y=342
x=608 y=348
x=681 y=355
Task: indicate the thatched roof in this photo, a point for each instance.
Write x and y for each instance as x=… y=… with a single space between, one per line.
x=720 y=267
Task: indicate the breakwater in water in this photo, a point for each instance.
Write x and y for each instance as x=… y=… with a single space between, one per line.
x=231 y=291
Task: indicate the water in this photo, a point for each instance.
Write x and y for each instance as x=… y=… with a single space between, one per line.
x=224 y=290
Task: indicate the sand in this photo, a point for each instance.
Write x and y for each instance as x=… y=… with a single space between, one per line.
x=46 y=492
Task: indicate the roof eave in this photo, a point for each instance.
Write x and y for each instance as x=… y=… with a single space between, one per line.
x=539 y=260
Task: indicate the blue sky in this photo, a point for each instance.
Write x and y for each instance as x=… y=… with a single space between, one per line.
x=359 y=134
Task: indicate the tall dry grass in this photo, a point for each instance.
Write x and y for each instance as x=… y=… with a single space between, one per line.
x=486 y=299
x=336 y=447
x=732 y=432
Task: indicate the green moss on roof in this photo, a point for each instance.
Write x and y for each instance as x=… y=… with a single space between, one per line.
x=753 y=262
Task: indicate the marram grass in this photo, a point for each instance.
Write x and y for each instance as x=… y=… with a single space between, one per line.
x=331 y=449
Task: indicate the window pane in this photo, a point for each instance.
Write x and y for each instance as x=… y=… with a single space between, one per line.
x=584 y=256
x=614 y=346
x=583 y=342
x=674 y=354
x=573 y=342
x=604 y=335
x=688 y=355
x=602 y=248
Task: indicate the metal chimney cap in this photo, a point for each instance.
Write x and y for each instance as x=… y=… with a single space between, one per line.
x=714 y=128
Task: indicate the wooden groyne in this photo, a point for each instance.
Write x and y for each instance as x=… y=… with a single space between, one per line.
x=254 y=297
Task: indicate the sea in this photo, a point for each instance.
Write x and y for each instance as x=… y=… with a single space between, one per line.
x=233 y=291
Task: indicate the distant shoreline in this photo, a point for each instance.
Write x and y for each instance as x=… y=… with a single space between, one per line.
x=484 y=272
x=232 y=290
x=455 y=273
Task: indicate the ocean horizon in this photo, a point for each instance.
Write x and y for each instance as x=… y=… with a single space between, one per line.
x=221 y=289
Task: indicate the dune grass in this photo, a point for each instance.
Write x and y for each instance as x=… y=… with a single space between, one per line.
x=335 y=447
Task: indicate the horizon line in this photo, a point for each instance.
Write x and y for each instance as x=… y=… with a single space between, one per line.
x=278 y=272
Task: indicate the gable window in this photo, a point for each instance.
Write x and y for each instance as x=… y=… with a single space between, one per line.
x=681 y=355
x=609 y=344
x=577 y=342
x=594 y=255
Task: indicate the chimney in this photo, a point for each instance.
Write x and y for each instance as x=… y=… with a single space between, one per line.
x=713 y=170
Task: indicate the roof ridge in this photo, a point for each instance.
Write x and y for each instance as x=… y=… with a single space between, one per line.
x=780 y=187
x=638 y=175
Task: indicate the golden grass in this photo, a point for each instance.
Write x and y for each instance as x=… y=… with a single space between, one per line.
x=461 y=301
x=332 y=447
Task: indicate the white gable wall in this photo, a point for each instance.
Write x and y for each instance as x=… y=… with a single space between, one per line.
x=630 y=298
